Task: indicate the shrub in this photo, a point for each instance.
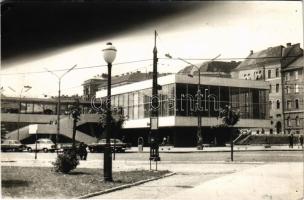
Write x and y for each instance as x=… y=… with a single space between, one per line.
x=66 y=162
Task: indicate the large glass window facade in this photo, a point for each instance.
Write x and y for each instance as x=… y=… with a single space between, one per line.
x=183 y=100
x=137 y=104
x=251 y=103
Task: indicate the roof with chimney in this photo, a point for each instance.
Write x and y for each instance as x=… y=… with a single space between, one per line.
x=282 y=54
x=213 y=66
x=299 y=63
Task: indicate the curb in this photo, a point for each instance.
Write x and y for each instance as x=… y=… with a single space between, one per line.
x=124 y=186
x=220 y=151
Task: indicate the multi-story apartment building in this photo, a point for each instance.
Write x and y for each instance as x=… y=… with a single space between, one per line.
x=294 y=96
x=266 y=65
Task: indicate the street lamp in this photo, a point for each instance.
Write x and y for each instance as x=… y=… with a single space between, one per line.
x=199 y=120
x=109 y=55
x=58 y=104
x=27 y=87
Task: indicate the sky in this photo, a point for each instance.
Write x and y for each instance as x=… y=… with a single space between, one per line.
x=201 y=30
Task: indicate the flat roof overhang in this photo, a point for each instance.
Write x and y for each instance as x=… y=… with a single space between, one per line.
x=180 y=121
x=179 y=78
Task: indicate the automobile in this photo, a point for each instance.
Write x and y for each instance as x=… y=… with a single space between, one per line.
x=100 y=145
x=63 y=147
x=12 y=145
x=81 y=149
x=44 y=145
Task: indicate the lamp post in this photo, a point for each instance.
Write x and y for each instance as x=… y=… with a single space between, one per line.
x=109 y=55
x=199 y=118
x=27 y=87
x=58 y=103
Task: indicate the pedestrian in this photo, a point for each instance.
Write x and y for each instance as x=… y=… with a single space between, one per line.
x=301 y=140
x=291 y=141
x=123 y=139
x=164 y=141
x=82 y=151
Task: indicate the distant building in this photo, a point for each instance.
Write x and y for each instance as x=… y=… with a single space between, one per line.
x=91 y=86
x=213 y=68
x=294 y=96
x=266 y=65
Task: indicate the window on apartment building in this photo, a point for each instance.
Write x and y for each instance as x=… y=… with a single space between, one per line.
x=287 y=76
x=297 y=121
x=288 y=121
x=277 y=73
x=269 y=73
x=287 y=89
x=297 y=103
x=288 y=104
x=270 y=88
x=270 y=104
x=296 y=75
x=277 y=88
x=296 y=88
x=278 y=104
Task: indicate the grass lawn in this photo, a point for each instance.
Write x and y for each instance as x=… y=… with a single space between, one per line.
x=43 y=182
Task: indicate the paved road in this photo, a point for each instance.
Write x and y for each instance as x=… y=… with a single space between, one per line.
x=199 y=175
x=245 y=156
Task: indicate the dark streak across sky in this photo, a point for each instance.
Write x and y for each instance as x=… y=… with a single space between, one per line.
x=38 y=27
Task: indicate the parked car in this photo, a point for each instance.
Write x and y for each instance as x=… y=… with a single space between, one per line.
x=12 y=145
x=81 y=149
x=100 y=145
x=44 y=145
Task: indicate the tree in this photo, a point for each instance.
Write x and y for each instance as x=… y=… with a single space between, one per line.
x=230 y=118
x=68 y=160
x=117 y=120
x=75 y=115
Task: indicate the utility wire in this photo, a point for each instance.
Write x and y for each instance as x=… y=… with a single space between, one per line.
x=77 y=68
x=143 y=60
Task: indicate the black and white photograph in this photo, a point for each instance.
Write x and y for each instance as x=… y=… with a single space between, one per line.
x=152 y=100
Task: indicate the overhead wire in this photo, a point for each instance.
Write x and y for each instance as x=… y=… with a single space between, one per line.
x=77 y=68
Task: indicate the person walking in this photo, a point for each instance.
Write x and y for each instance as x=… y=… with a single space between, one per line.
x=83 y=151
x=291 y=141
x=301 y=140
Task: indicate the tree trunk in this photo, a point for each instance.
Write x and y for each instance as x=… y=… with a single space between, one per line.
x=74 y=133
x=231 y=142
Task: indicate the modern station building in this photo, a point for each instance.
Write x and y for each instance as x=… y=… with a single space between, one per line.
x=178 y=107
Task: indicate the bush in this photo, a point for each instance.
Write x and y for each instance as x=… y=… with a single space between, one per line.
x=66 y=162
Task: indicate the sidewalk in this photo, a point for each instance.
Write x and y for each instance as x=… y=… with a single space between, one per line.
x=275 y=181
x=171 y=149
x=272 y=181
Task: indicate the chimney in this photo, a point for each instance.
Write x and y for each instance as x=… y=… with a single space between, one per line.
x=288 y=44
x=251 y=52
